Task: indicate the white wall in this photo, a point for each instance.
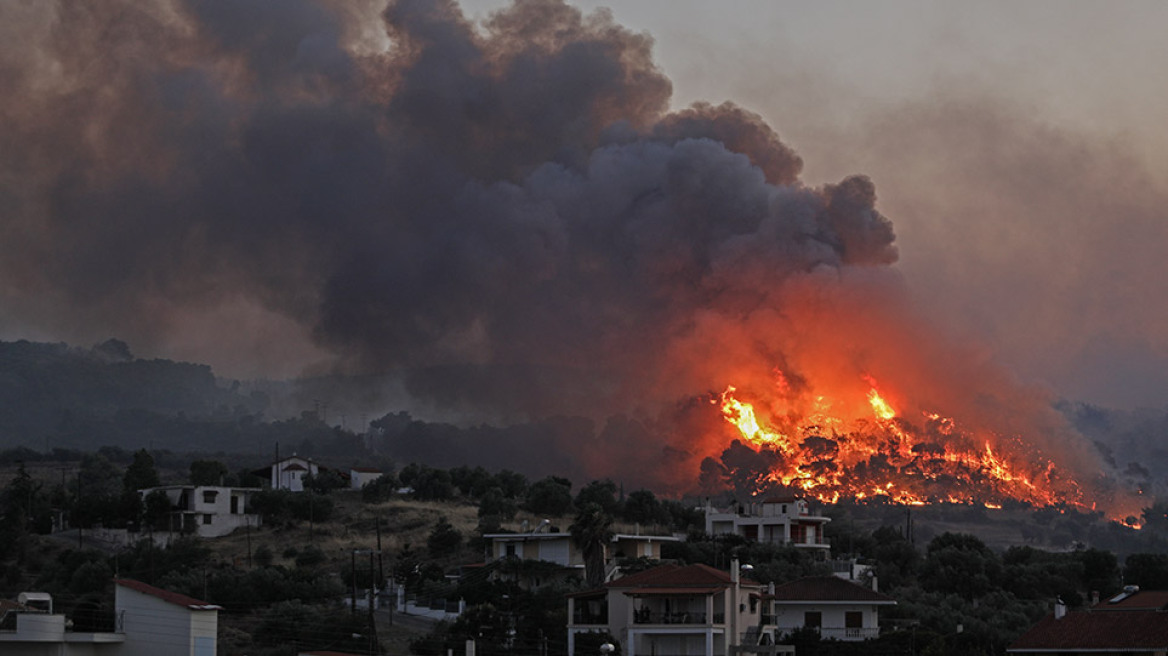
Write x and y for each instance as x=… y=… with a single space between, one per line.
x=154 y=627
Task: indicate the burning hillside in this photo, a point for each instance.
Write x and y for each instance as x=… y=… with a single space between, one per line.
x=888 y=456
x=509 y=219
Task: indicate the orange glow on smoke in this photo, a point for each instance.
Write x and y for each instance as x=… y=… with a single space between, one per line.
x=830 y=455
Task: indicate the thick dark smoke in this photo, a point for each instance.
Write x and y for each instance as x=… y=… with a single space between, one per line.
x=422 y=193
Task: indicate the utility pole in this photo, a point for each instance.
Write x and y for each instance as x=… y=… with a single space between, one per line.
x=372 y=622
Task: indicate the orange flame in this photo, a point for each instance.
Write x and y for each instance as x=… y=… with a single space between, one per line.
x=828 y=457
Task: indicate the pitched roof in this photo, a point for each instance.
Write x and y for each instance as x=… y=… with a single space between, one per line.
x=295 y=467
x=1139 y=600
x=677 y=576
x=1090 y=630
x=166 y=595
x=827 y=588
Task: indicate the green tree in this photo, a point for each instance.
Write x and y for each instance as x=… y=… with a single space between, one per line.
x=207 y=472
x=602 y=493
x=495 y=506
x=550 y=496
x=141 y=472
x=157 y=510
x=1147 y=570
x=25 y=507
x=444 y=540
x=380 y=489
x=961 y=564
x=591 y=531
x=642 y=507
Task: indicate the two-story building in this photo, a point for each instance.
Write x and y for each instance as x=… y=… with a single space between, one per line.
x=552 y=546
x=208 y=511
x=774 y=520
x=676 y=609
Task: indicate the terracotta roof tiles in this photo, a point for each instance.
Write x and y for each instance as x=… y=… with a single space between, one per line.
x=1097 y=631
x=166 y=595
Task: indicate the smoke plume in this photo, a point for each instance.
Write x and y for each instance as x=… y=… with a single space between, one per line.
x=507 y=213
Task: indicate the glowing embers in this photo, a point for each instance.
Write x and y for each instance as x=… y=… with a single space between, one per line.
x=884 y=455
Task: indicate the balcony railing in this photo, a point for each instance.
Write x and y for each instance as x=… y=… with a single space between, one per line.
x=849 y=633
x=580 y=617
x=647 y=616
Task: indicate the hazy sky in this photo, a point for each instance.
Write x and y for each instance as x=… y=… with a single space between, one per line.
x=1017 y=148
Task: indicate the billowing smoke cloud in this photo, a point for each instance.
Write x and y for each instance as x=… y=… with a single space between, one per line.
x=511 y=194
x=506 y=212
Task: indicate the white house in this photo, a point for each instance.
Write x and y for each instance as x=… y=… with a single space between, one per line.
x=359 y=476
x=675 y=609
x=157 y=622
x=289 y=473
x=775 y=520
x=208 y=510
x=558 y=548
x=836 y=608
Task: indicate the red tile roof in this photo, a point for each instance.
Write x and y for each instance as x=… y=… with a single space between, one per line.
x=166 y=595
x=648 y=592
x=828 y=588
x=677 y=576
x=1097 y=631
x=1143 y=599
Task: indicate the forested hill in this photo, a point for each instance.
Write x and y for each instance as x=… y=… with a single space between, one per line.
x=58 y=395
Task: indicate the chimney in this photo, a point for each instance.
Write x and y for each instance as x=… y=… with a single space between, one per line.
x=875 y=584
x=1094 y=597
x=1060 y=609
x=734 y=575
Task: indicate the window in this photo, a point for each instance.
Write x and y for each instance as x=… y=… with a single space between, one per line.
x=207 y=518
x=209 y=496
x=853 y=619
x=234 y=505
x=511 y=550
x=813 y=619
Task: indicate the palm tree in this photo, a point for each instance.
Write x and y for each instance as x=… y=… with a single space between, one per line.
x=591 y=530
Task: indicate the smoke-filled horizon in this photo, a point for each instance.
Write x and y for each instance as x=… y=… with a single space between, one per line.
x=508 y=212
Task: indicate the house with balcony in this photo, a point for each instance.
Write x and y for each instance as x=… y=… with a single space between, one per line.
x=773 y=520
x=676 y=609
x=209 y=511
x=835 y=607
x=549 y=546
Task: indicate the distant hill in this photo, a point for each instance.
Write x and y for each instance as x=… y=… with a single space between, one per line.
x=50 y=391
